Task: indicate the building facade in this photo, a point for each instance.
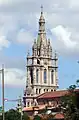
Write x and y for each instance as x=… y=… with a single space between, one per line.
x=42 y=73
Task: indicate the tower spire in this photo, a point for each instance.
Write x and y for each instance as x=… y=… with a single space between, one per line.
x=41 y=32
x=41 y=9
x=41 y=22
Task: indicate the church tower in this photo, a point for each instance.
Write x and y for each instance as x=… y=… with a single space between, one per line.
x=41 y=65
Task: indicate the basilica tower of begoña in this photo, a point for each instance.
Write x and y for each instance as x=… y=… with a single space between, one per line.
x=41 y=65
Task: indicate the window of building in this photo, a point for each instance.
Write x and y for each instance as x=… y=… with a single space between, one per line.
x=36 y=91
x=31 y=73
x=45 y=75
x=51 y=90
x=47 y=90
x=38 y=61
x=37 y=75
x=28 y=104
x=52 y=77
x=44 y=90
x=39 y=91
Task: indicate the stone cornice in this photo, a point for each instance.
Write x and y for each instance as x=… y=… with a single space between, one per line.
x=41 y=57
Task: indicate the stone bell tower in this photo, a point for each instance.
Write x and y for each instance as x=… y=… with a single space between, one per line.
x=41 y=65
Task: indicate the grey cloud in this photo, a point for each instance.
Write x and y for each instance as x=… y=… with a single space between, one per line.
x=33 y=5
x=13 y=62
x=24 y=14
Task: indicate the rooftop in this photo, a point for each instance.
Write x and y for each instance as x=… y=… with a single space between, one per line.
x=54 y=94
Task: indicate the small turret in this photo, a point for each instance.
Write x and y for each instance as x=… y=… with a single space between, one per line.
x=34 y=48
x=28 y=53
x=56 y=58
x=49 y=49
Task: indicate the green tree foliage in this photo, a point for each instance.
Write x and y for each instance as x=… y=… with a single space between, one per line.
x=50 y=117
x=15 y=115
x=70 y=103
x=25 y=116
x=37 y=117
x=12 y=115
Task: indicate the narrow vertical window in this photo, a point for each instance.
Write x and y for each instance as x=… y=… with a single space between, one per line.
x=39 y=91
x=44 y=90
x=45 y=75
x=36 y=91
x=37 y=75
x=52 y=77
x=31 y=74
x=28 y=104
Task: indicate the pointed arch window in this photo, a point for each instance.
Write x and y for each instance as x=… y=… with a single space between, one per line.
x=28 y=104
x=31 y=74
x=45 y=75
x=52 y=81
x=37 y=75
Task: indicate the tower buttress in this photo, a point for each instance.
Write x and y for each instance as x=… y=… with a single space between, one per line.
x=56 y=68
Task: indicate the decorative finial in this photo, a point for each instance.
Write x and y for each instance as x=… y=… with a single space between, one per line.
x=34 y=40
x=49 y=41
x=41 y=9
x=55 y=54
x=28 y=53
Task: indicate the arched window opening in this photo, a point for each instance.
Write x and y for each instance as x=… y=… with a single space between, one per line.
x=36 y=91
x=38 y=61
x=37 y=75
x=52 y=77
x=39 y=91
x=31 y=74
x=28 y=104
x=44 y=90
x=45 y=75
